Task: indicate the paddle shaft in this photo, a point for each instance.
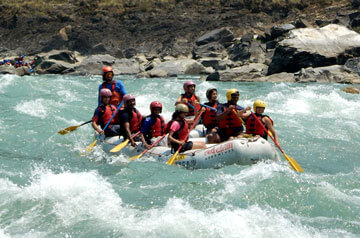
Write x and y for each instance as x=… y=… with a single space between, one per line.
x=204 y=105
x=152 y=145
x=84 y=123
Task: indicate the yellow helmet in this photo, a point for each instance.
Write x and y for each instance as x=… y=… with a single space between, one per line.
x=231 y=92
x=181 y=108
x=259 y=103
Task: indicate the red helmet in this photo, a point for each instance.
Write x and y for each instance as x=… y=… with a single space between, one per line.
x=107 y=69
x=128 y=97
x=105 y=92
x=155 y=104
x=187 y=84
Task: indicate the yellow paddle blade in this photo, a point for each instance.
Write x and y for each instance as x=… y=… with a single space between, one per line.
x=171 y=161
x=136 y=157
x=293 y=163
x=119 y=146
x=91 y=146
x=67 y=130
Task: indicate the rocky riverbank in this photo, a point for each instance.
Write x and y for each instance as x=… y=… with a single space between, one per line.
x=295 y=51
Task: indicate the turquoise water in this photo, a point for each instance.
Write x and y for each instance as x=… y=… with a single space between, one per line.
x=48 y=190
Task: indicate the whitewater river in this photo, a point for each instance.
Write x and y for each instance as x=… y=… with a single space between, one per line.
x=47 y=189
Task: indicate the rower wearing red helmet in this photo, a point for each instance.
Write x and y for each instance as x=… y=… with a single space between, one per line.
x=103 y=113
x=189 y=98
x=116 y=86
x=153 y=125
x=130 y=118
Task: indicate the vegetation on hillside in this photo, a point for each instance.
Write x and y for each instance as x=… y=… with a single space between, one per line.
x=44 y=7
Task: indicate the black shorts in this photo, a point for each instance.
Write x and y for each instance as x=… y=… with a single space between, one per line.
x=225 y=134
x=187 y=146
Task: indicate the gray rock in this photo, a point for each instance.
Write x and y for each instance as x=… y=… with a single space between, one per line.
x=276 y=78
x=182 y=66
x=157 y=73
x=6 y=69
x=215 y=63
x=21 y=71
x=213 y=49
x=329 y=74
x=353 y=65
x=213 y=77
x=98 y=49
x=277 y=31
x=312 y=47
x=52 y=67
x=66 y=56
x=93 y=64
x=126 y=66
x=244 y=73
x=223 y=35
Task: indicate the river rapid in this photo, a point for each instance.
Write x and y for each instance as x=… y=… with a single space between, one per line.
x=47 y=189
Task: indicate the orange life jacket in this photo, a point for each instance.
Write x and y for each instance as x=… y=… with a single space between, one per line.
x=116 y=97
x=136 y=119
x=191 y=100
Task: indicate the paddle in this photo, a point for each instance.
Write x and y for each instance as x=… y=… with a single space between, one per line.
x=123 y=144
x=91 y=146
x=171 y=161
x=291 y=161
x=72 y=128
x=242 y=121
x=204 y=105
x=155 y=143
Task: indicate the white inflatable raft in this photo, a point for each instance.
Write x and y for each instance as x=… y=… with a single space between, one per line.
x=244 y=151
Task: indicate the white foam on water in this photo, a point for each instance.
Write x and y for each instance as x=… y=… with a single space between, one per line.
x=37 y=108
x=75 y=196
x=179 y=219
x=6 y=81
x=334 y=193
x=3 y=234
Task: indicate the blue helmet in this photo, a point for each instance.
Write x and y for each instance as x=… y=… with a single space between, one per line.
x=3 y=62
x=22 y=56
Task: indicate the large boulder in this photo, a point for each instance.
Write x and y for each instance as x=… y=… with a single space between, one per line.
x=247 y=49
x=243 y=73
x=66 y=56
x=213 y=49
x=126 y=66
x=93 y=64
x=6 y=69
x=312 y=47
x=182 y=66
x=328 y=74
x=223 y=35
x=353 y=65
x=21 y=71
x=53 y=67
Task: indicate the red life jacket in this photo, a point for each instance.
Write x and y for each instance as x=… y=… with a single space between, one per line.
x=106 y=113
x=136 y=119
x=182 y=133
x=116 y=97
x=158 y=128
x=231 y=120
x=191 y=100
x=253 y=127
x=210 y=115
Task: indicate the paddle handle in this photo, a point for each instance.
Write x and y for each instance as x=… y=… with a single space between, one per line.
x=107 y=124
x=204 y=105
x=85 y=123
